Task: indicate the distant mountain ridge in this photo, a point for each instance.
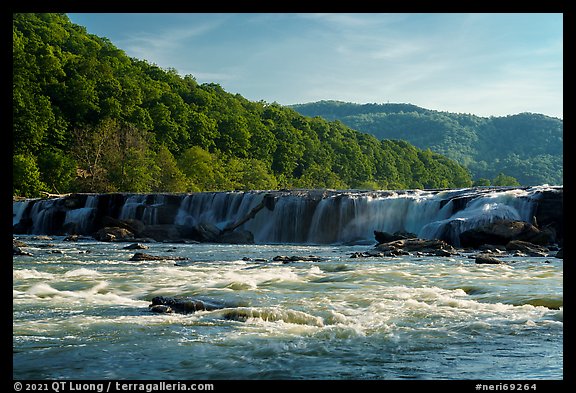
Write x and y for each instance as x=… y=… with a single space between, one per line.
x=526 y=146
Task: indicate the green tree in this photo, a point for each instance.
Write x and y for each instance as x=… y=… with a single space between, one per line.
x=504 y=180
x=201 y=168
x=57 y=170
x=481 y=182
x=170 y=178
x=26 y=176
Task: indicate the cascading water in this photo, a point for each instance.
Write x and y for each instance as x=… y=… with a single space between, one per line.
x=299 y=216
x=515 y=205
x=18 y=209
x=80 y=220
x=218 y=208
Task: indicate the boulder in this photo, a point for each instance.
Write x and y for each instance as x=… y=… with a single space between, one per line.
x=134 y=226
x=237 y=236
x=500 y=232
x=296 y=258
x=385 y=237
x=486 y=259
x=18 y=243
x=430 y=246
x=18 y=251
x=166 y=304
x=492 y=249
x=111 y=234
x=379 y=254
x=22 y=226
x=206 y=232
x=161 y=233
x=549 y=212
x=136 y=246
x=140 y=256
x=527 y=248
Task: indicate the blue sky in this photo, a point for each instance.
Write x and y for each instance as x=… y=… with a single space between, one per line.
x=481 y=63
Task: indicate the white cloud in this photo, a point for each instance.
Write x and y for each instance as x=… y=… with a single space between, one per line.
x=475 y=63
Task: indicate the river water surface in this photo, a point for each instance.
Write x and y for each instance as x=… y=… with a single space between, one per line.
x=80 y=311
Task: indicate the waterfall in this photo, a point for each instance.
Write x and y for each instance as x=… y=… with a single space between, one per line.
x=143 y=207
x=289 y=222
x=217 y=208
x=18 y=209
x=302 y=216
x=515 y=205
x=79 y=221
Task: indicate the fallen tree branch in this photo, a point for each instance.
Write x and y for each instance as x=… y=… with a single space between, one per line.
x=49 y=195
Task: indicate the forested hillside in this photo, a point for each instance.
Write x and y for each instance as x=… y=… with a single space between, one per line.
x=526 y=146
x=88 y=118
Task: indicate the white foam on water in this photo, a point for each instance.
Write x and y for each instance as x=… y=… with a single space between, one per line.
x=97 y=294
x=82 y=272
x=25 y=274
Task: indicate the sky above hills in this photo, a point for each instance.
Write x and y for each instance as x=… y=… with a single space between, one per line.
x=486 y=64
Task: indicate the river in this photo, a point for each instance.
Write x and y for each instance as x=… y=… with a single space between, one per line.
x=80 y=311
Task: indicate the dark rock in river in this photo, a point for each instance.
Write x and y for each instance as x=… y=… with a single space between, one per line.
x=237 y=236
x=527 y=248
x=430 y=246
x=17 y=248
x=136 y=246
x=385 y=237
x=487 y=259
x=133 y=225
x=549 y=213
x=111 y=234
x=560 y=254
x=161 y=233
x=18 y=251
x=296 y=258
x=140 y=256
x=206 y=232
x=166 y=304
x=18 y=243
x=500 y=232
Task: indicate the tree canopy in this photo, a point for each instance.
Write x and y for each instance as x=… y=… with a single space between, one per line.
x=527 y=147
x=86 y=117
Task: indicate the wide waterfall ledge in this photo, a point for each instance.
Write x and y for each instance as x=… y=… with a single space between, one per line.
x=295 y=216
